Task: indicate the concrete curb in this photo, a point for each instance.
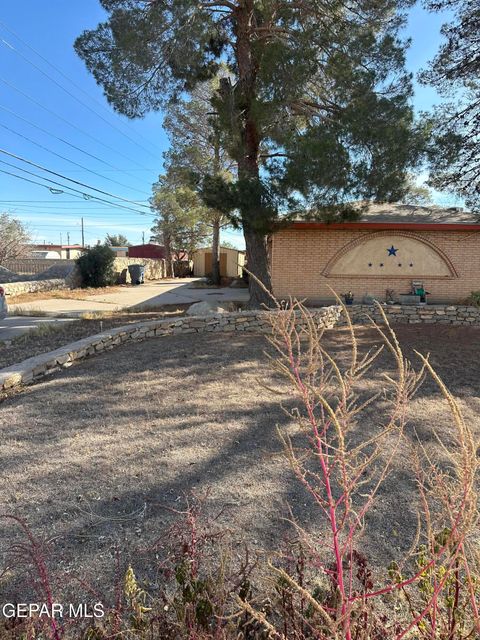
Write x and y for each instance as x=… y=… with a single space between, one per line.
x=40 y=366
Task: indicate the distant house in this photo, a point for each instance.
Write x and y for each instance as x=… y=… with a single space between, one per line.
x=120 y=252
x=151 y=250
x=232 y=262
x=389 y=248
x=154 y=252
x=55 y=251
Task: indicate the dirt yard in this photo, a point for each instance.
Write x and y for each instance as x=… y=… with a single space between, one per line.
x=91 y=455
x=65 y=294
x=50 y=336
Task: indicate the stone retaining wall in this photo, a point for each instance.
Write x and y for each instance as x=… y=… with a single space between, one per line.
x=416 y=314
x=254 y=321
x=39 y=366
x=32 y=286
x=154 y=269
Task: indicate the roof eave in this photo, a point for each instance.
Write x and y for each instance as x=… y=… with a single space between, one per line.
x=391 y=226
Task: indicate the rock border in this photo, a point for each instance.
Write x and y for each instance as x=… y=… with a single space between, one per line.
x=255 y=321
x=40 y=366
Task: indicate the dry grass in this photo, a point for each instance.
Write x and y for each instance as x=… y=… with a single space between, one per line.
x=65 y=294
x=52 y=335
x=91 y=455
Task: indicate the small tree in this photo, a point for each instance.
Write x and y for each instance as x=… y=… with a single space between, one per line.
x=181 y=225
x=14 y=238
x=196 y=152
x=96 y=267
x=118 y=240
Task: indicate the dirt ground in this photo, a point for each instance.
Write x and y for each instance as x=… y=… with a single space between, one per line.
x=54 y=335
x=65 y=294
x=91 y=455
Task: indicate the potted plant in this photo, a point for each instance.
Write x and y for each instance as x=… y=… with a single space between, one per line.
x=348 y=297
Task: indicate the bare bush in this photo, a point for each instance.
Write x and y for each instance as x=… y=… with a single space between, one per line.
x=14 y=238
x=433 y=591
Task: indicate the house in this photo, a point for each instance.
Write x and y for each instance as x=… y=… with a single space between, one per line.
x=380 y=255
x=232 y=262
x=154 y=252
x=55 y=251
x=151 y=250
x=120 y=252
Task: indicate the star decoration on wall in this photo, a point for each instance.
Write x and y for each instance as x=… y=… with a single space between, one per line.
x=392 y=251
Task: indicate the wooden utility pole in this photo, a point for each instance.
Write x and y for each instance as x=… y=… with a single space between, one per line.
x=83 y=234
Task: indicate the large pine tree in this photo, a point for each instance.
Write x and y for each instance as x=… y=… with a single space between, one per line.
x=314 y=110
x=455 y=72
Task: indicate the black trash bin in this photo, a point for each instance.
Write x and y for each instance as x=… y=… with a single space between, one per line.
x=137 y=273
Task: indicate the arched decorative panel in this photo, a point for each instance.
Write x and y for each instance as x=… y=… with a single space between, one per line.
x=393 y=254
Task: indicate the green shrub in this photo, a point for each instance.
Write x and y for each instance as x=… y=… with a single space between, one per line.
x=96 y=267
x=474 y=299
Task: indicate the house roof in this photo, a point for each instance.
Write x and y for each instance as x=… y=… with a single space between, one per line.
x=46 y=247
x=221 y=247
x=404 y=216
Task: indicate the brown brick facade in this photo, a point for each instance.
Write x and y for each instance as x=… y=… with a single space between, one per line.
x=302 y=262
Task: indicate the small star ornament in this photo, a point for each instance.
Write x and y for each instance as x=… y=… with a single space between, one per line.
x=392 y=251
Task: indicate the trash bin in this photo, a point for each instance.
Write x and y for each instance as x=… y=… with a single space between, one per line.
x=137 y=273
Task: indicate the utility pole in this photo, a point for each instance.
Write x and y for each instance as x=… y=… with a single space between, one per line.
x=83 y=234
x=68 y=238
x=143 y=237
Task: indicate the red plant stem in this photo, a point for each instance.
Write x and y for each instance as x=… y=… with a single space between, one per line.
x=471 y=590
x=328 y=489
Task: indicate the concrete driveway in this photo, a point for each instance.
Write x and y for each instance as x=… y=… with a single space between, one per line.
x=14 y=326
x=151 y=294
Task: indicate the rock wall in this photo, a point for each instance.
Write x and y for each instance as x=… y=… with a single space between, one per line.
x=32 y=286
x=40 y=366
x=154 y=269
x=245 y=321
x=415 y=314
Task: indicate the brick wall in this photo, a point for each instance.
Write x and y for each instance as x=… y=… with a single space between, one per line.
x=300 y=256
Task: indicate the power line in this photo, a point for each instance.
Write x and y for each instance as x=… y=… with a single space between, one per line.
x=73 y=146
x=74 y=126
x=57 y=191
x=59 y=175
x=77 y=164
x=58 y=84
x=67 y=212
x=66 y=77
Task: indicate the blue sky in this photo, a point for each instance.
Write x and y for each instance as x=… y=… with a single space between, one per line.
x=127 y=153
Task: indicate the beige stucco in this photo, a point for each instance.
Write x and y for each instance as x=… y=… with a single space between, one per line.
x=390 y=256
x=235 y=262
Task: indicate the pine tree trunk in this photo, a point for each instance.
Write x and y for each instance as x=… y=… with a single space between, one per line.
x=169 y=258
x=248 y=167
x=257 y=263
x=216 y=252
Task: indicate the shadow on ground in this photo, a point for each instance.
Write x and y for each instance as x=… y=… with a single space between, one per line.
x=92 y=455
